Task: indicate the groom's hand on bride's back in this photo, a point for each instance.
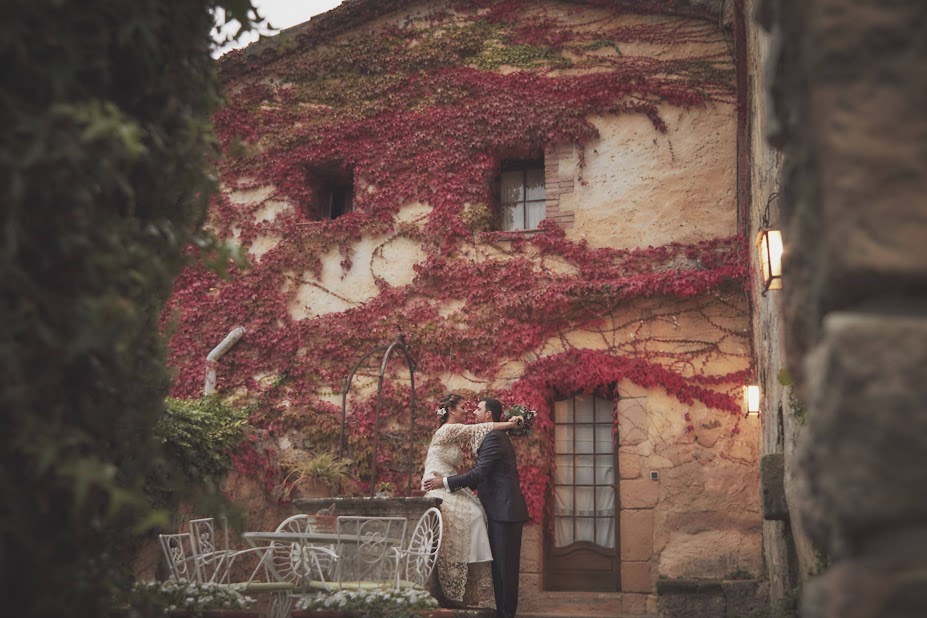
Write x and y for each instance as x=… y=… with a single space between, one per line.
x=435 y=482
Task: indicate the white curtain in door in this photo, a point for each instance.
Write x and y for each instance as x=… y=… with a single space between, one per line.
x=584 y=479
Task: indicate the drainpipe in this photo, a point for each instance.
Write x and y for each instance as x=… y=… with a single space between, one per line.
x=212 y=359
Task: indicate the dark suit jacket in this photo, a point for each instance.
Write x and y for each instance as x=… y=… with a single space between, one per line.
x=495 y=477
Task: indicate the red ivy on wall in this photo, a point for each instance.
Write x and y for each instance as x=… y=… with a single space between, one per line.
x=421 y=112
x=593 y=372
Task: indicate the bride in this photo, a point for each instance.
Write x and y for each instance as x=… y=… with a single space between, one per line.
x=464 y=560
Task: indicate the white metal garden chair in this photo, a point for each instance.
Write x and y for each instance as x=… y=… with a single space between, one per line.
x=180 y=556
x=214 y=563
x=292 y=564
x=416 y=562
x=299 y=562
x=366 y=547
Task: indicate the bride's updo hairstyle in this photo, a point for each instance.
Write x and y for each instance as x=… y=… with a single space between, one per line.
x=447 y=402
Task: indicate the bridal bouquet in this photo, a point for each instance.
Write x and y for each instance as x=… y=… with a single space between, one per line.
x=527 y=423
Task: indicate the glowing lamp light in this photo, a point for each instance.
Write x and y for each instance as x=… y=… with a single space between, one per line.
x=769 y=243
x=752 y=395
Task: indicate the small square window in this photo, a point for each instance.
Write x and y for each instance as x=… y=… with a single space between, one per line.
x=333 y=192
x=336 y=200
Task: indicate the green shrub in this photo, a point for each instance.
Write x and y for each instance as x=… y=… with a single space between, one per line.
x=199 y=433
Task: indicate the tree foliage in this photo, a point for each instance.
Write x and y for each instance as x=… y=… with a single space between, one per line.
x=105 y=152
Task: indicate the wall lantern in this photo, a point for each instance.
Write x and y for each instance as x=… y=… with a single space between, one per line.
x=769 y=244
x=752 y=395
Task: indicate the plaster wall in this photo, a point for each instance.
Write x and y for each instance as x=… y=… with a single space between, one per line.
x=644 y=188
x=390 y=259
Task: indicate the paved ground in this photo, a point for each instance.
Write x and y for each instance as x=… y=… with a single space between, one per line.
x=488 y=613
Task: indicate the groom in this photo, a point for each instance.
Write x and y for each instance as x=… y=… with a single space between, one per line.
x=495 y=477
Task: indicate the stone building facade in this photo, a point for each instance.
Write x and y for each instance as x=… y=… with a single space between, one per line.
x=387 y=165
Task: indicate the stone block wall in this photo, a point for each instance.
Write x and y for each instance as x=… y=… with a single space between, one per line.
x=700 y=517
x=697 y=520
x=850 y=113
x=788 y=552
x=692 y=598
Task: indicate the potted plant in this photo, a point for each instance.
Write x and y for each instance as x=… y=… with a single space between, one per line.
x=313 y=475
x=368 y=604
x=385 y=489
x=187 y=599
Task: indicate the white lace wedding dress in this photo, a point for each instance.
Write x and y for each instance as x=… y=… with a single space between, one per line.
x=464 y=568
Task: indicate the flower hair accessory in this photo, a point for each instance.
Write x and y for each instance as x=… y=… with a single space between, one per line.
x=441 y=411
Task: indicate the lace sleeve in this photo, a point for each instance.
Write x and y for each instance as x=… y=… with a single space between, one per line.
x=467 y=437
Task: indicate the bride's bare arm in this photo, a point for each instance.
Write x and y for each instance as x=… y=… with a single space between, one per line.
x=505 y=425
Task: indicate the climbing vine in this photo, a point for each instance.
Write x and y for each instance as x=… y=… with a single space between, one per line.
x=422 y=109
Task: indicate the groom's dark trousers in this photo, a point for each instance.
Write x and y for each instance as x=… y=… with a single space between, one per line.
x=505 y=541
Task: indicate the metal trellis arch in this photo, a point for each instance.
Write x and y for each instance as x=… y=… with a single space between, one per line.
x=400 y=343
